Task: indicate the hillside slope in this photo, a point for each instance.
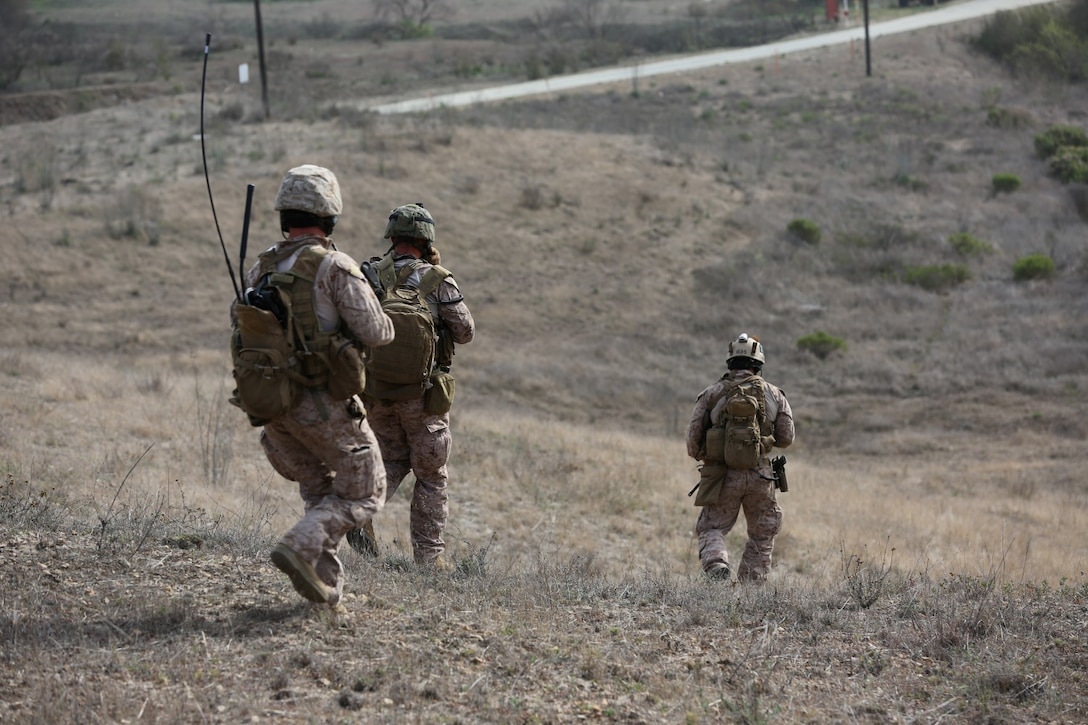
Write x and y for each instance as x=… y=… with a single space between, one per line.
x=609 y=240
x=609 y=243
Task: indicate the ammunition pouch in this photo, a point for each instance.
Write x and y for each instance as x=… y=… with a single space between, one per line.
x=438 y=399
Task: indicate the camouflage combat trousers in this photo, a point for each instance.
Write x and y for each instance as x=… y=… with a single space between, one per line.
x=338 y=467
x=414 y=441
x=749 y=491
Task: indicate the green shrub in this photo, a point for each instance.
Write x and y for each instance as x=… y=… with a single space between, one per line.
x=911 y=183
x=1007 y=118
x=821 y=344
x=1070 y=164
x=936 y=277
x=1055 y=138
x=805 y=230
x=1058 y=53
x=1004 y=32
x=409 y=29
x=1005 y=183
x=969 y=245
x=1040 y=42
x=1033 y=266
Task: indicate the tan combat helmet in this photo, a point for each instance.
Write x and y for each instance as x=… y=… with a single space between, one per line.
x=312 y=189
x=410 y=220
x=746 y=346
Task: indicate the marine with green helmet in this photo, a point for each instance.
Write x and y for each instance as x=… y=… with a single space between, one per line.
x=414 y=434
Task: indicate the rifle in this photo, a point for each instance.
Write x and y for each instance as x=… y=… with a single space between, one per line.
x=778 y=465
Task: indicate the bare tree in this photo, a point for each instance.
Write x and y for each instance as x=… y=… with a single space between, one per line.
x=14 y=51
x=416 y=12
x=548 y=23
x=591 y=16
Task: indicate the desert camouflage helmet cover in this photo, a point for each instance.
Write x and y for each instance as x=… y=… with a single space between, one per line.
x=312 y=189
x=746 y=346
x=410 y=220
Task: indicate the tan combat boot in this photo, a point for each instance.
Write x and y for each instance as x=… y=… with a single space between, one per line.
x=363 y=539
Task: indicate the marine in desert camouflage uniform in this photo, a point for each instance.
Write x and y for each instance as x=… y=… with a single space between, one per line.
x=411 y=439
x=751 y=490
x=324 y=445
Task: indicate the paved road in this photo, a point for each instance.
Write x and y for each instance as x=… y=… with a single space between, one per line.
x=948 y=14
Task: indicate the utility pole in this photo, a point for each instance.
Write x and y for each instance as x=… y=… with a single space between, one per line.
x=868 y=56
x=260 y=52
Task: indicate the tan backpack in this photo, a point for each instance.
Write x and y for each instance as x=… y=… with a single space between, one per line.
x=278 y=349
x=401 y=370
x=739 y=436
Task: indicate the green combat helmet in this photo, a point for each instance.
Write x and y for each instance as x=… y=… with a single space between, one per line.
x=410 y=220
x=312 y=189
x=746 y=346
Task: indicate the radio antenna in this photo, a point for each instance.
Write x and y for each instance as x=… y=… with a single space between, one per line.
x=207 y=178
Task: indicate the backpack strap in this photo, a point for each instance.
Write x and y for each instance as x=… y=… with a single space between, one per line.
x=761 y=414
x=297 y=285
x=387 y=273
x=391 y=277
x=301 y=279
x=432 y=278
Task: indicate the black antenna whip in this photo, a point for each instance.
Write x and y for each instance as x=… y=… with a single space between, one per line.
x=207 y=179
x=245 y=232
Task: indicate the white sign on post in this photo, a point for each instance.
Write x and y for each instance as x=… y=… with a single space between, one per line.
x=243 y=73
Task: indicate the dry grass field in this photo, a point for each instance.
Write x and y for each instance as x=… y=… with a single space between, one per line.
x=932 y=563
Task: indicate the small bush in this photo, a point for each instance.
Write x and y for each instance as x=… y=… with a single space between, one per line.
x=134 y=214
x=232 y=112
x=1005 y=32
x=1070 y=165
x=23 y=505
x=936 y=277
x=1079 y=194
x=805 y=230
x=1008 y=118
x=910 y=182
x=532 y=197
x=410 y=30
x=1058 y=54
x=864 y=578
x=821 y=344
x=969 y=245
x=1033 y=266
x=1056 y=138
x=1005 y=183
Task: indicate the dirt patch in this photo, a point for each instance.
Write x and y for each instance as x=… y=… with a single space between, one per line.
x=43 y=106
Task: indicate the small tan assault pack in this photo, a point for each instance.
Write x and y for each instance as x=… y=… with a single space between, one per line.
x=740 y=434
x=402 y=370
x=277 y=348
